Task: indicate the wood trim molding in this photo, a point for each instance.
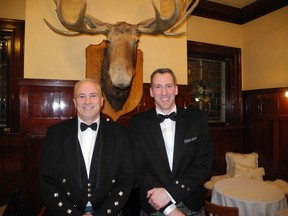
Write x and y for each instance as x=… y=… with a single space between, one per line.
x=226 y=13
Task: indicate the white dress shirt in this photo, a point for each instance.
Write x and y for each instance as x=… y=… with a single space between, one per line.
x=87 y=141
x=168 y=132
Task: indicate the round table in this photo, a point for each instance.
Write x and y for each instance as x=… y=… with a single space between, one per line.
x=252 y=197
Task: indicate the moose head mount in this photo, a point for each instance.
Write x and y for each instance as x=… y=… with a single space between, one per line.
x=122 y=38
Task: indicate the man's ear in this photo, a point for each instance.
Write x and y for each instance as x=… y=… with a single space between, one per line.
x=151 y=92
x=102 y=101
x=74 y=101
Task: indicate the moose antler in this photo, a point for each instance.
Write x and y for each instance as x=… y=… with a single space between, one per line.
x=152 y=26
x=80 y=25
x=159 y=24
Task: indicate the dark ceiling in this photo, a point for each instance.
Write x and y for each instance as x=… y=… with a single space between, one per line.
x=235 y=15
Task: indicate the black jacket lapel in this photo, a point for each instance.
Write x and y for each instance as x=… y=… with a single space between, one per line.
x=71 y=150
x=179 y=135
x=158 y=137
x=104 y=145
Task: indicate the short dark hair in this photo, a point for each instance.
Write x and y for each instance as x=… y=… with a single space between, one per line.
x=162 y=71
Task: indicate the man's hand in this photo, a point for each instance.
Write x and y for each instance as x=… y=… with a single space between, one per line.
x=158 y=198
x=176 y=212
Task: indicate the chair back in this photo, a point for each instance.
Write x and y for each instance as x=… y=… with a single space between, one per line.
x=212 y=209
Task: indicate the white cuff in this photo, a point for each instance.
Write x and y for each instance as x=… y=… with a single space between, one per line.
x=169 y=209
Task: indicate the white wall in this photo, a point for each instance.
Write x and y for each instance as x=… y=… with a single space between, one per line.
x=265 y=54
x=12 y=9
x=214 y=32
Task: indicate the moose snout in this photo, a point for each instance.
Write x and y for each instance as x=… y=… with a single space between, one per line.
x=122 y=82
x=121 y=77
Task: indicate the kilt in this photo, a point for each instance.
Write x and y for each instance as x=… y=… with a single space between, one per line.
x=181 y=207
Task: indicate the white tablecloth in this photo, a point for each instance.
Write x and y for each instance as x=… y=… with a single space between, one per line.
x=252 y=197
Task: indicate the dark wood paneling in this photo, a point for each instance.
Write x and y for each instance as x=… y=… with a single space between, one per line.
x=266 y=126
x=10 y=165
x=281 y=106
x=46 y=102
x=225 y=139
x=265 y=143
x=283 y=149
x=42 y=103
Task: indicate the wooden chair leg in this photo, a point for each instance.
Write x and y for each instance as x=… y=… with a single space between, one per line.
x=42 y=211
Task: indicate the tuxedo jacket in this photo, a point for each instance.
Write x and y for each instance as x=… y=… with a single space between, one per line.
x=192 y=161
x=61 y=175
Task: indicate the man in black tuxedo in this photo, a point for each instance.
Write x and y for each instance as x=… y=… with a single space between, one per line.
x=86 y=165
x=173 y=152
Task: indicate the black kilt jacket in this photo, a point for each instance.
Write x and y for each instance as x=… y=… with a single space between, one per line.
x=62 y=186
x=192 y=161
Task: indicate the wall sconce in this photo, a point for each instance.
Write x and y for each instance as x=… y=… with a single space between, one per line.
x=286 y=93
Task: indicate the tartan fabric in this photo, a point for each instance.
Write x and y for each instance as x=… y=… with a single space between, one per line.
x=180 y=206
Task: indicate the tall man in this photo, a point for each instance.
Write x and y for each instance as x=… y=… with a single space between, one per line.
x=86 y=164
x=173 y=152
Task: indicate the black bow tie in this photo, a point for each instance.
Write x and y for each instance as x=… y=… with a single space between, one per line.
x=172 y=116
x=84 y=126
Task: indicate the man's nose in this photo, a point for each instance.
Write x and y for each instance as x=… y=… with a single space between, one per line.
x=87 y=100
x=164 y=91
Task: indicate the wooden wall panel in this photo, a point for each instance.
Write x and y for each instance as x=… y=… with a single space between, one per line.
x=10 y=165
x=283 y=148
x=42 y=103
x=266 y=126
x=265 y=144
x=225 y=139
x=268 y=106
x=282 y=105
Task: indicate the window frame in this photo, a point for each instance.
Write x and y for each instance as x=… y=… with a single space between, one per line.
x=232 y=58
